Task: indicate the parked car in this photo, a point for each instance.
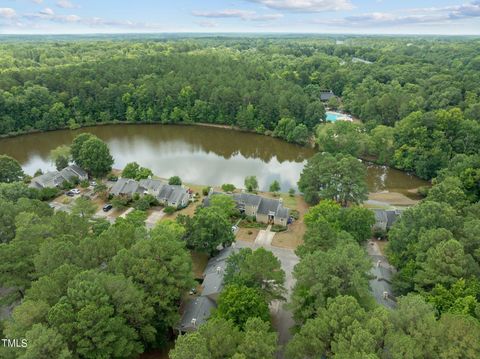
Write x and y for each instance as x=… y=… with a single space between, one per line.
x=70 y=194
x=75 y=191
x=107 y=207
x=234 y=229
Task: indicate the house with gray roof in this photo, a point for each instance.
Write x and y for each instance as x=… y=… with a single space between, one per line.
x=54 y=179
x=174 y=196
x=196 y=312
x=127 y=187
x=385 y=219
x=326 y=95
x=198 y=309
x=167 y=195
x=153 y=186
x=265 y=210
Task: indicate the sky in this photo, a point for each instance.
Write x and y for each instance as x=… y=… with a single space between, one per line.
x=446 y=17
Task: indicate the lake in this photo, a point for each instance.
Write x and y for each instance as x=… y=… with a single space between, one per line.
x=198 y=154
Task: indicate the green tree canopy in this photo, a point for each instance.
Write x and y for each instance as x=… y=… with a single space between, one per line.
x=258 y=269
x=239 y=303
x=340 y=178
x=175 y=180
x=10 y=170
x=95 y=157
x=60 y=156
x=342 y=270
x=251 y=183
x=208 y=229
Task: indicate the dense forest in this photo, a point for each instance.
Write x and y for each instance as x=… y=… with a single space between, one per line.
x=423 y=92
x=89 y=288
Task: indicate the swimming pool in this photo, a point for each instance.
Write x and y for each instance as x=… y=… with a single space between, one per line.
x=335 y=116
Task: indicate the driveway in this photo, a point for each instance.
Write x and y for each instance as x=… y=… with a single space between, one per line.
x=382 y=273
x=265 y=237
x=154 y=218
x=282 y=319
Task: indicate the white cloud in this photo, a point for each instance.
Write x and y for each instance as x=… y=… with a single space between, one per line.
x=432 y=16
x=306 y=5
x=7 y=12
x=240 y=14
x=47 y=11
x=65 y=4
x=37 y=1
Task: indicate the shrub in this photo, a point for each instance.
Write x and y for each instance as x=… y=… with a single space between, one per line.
x=66 y=185
x=175 y=180
x=379 y=233
x=46 y=194
x=294 y=214
x=145 y=202
x=112 y=177
x=278 y=228
x=84 y=184
x=206 y=191
x=169 y=210
x=120 y=202
x=423 y=191
x=228 y=187
x=75 y=181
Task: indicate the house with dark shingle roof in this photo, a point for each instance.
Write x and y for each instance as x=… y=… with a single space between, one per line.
x=198 y=309
x=265 y=210
x=126 y=187
x=167 y=195
x=326 y=95
x=57 y=178
x=385 y=219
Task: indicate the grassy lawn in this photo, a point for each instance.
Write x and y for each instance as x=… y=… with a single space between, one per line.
x=247 y=234
x=293 y=236
x=188 y=211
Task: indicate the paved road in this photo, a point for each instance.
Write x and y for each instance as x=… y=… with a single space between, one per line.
x=282 y=319
x=382 y=272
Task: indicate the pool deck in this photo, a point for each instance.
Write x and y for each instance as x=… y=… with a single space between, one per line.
x=333 y=116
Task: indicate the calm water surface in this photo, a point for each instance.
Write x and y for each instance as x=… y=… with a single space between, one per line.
x=200 y=155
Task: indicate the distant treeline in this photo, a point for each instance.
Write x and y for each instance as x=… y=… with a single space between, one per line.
x=267 y=85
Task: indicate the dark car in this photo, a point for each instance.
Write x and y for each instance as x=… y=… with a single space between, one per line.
x=107 y=207
x=70 y=194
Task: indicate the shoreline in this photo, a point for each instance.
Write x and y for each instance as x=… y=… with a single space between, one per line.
x=366 y=160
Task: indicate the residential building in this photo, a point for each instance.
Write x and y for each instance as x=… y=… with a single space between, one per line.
x=54 y=179
x=384 y=219
x=126 y=187
x=326 y=95
x=197 y=310
x=265 y=210
x=167 y=195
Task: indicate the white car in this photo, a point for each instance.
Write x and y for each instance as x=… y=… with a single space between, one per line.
x=75 y=191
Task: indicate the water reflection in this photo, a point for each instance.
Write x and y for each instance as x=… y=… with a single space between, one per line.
x=201 y=155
